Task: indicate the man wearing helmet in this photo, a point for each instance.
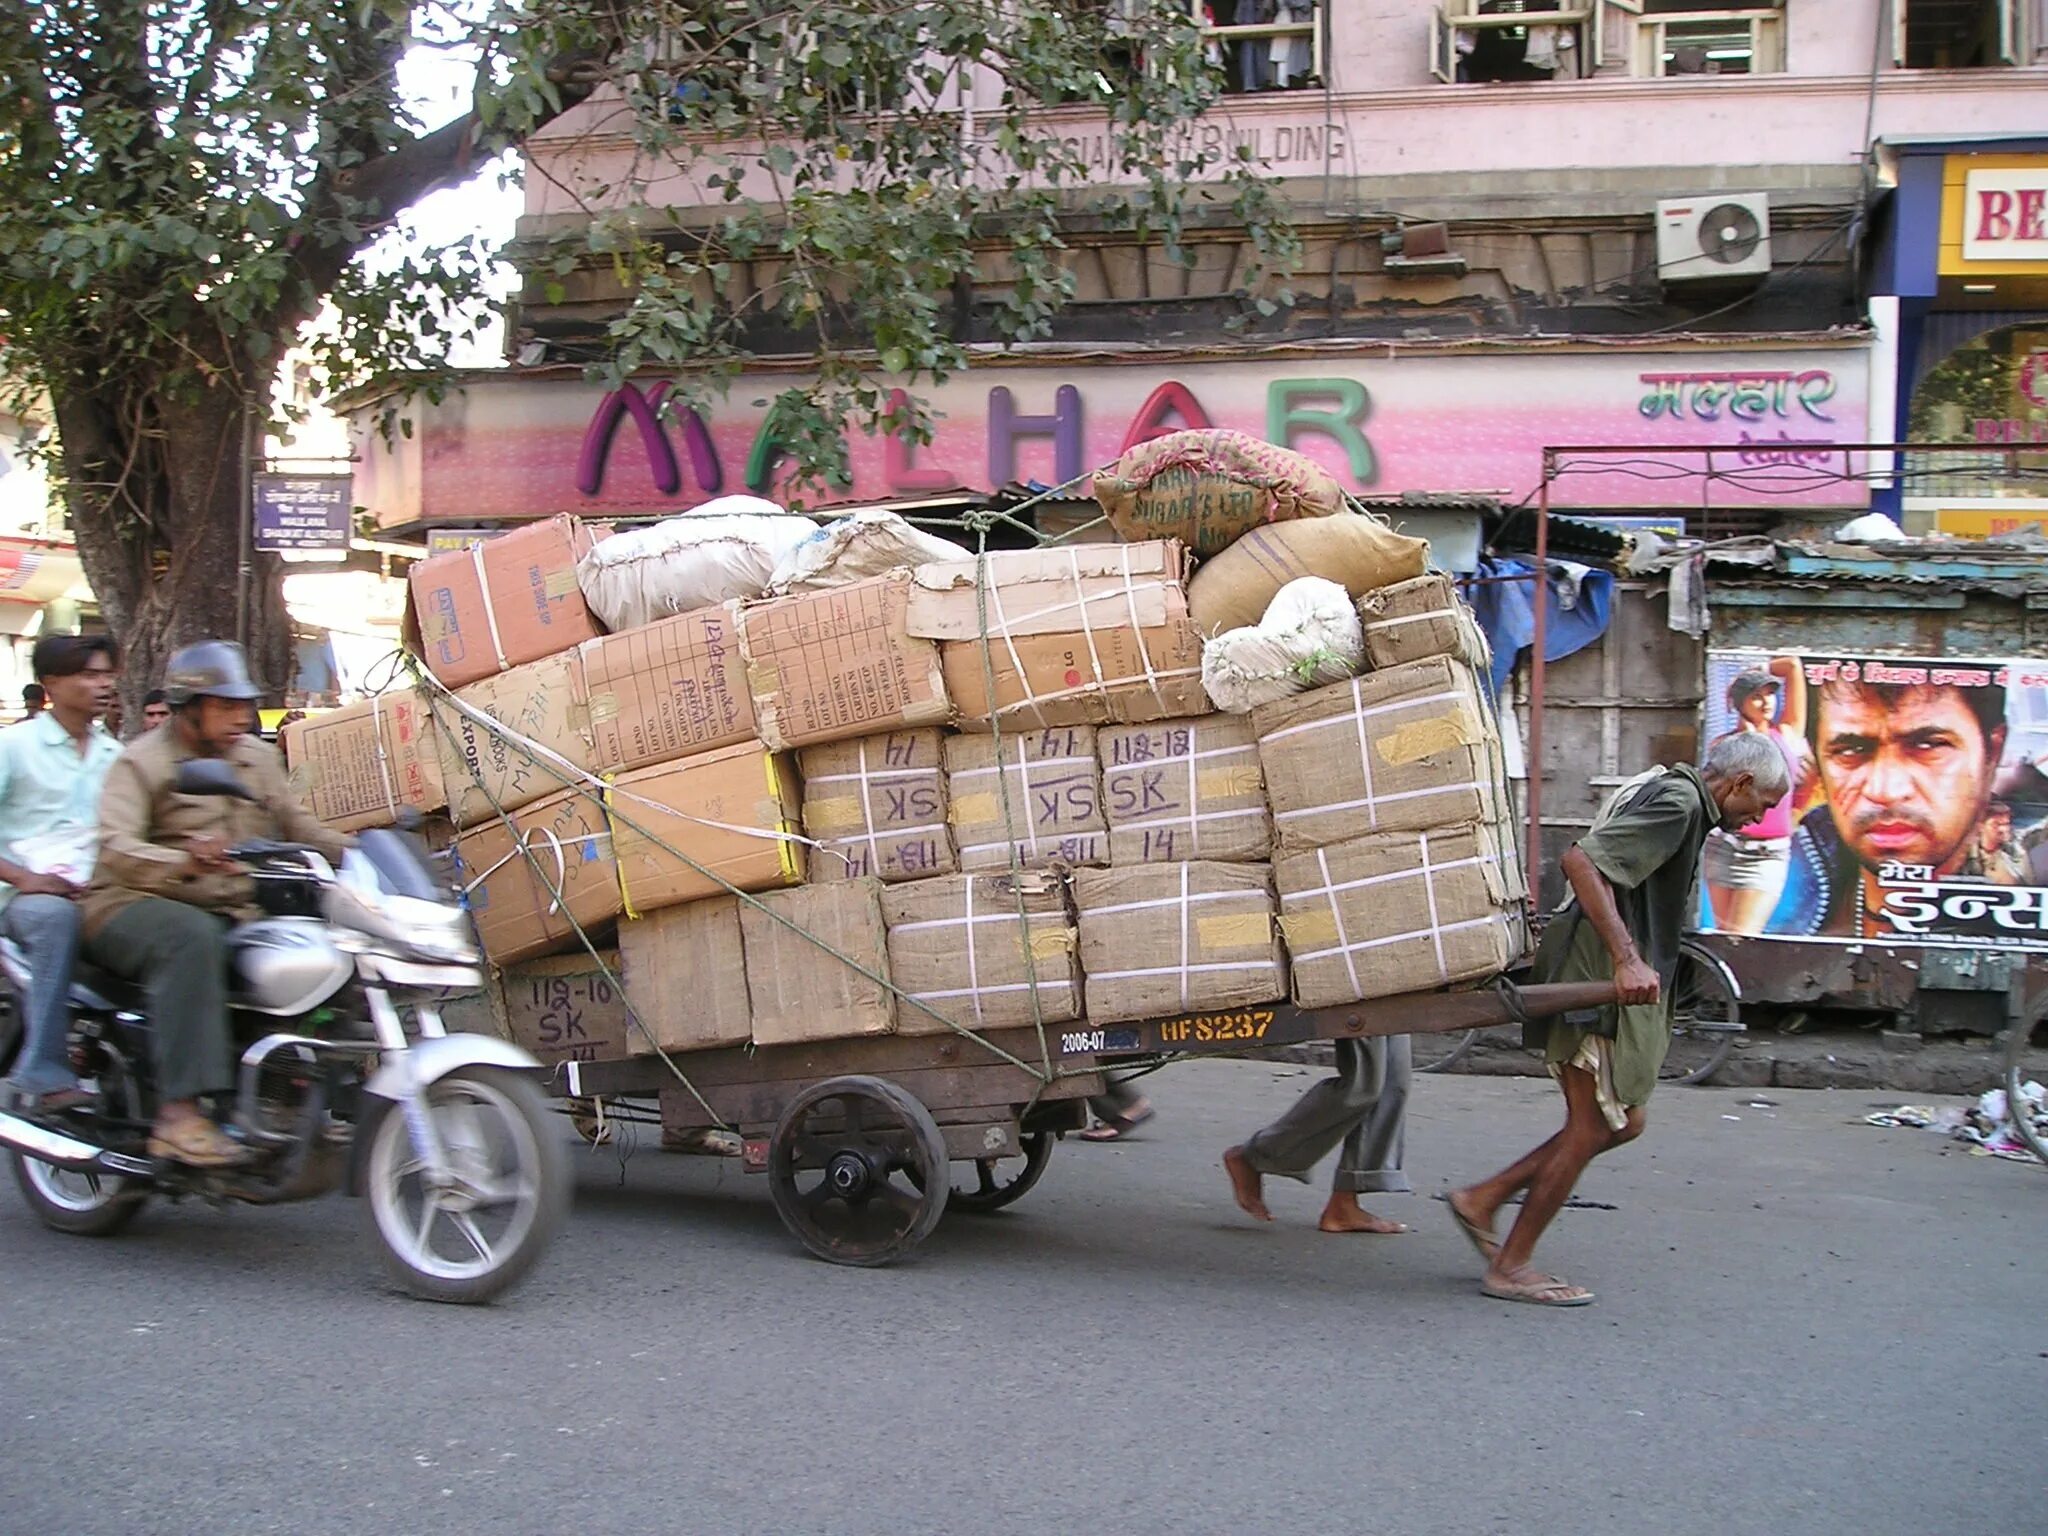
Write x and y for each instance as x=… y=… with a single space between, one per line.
x=165 y=893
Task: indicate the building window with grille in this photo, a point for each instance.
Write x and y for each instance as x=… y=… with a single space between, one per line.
x=1958 y=34
x=1708 y=37
x=1262 y=45
x=1480 y=42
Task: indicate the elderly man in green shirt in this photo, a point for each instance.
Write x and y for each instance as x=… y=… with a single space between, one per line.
x=52 y=766
x=1634 y=880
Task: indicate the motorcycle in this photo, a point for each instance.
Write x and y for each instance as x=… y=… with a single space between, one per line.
x=446 y=1136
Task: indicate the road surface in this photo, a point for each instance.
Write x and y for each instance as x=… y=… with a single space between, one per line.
x=1804 y=1326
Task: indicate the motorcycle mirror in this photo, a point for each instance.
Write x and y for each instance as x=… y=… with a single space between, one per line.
x=210 y=776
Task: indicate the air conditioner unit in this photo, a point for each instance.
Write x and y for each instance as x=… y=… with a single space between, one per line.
x=1714 y=236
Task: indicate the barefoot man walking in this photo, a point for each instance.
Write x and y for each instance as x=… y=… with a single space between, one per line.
x=1634 y=882
x=1365 y=1106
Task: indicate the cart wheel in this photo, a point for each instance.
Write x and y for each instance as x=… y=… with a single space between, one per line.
x=992 y=1191
x=857 y=1170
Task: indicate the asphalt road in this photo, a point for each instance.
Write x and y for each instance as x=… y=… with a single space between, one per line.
x=1804 y=1326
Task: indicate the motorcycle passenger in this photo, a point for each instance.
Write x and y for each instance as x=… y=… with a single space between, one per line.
x=51 y=768
x=165 y=893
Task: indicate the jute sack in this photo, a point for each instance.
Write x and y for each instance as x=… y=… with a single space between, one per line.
x=1357 y=551
x=1205 y=488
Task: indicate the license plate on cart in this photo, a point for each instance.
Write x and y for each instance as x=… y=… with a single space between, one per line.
x=1189 y=1031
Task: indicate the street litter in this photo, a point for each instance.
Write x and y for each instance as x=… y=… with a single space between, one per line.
x=1987 y=1124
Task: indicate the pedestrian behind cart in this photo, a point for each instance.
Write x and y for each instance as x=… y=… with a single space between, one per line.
x=1634 y=883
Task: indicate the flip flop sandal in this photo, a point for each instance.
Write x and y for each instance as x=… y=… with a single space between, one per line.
x=1482 y=1241
x=1117 y=1127
x=197 y=1144
x=1545 y=1291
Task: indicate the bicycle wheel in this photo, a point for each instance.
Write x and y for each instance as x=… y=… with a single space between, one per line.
x=1440 y=1053
x=2017 y=1040
x=1705 y=1019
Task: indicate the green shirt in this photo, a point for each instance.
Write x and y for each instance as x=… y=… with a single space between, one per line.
x=48 y=783
x=1646 y=844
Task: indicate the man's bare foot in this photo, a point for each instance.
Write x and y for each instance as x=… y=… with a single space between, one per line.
x=1247 y=1187
x=1479 y=1233
x=1345 y=1214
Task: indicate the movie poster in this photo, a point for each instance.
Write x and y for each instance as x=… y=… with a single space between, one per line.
x=1918 y=811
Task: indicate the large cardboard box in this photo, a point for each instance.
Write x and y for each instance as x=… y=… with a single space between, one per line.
x=1413 y=620
x=974 y=948
x=1095 y=634
x=703 y=825
x=685 y=972
x=669 y=689
x=877 y=804
x=1053 y=790
x=1395 y=751
x=533 y=877
x=1159 y=939
x=533 y=740
x=800 y=991
x=566 y=1009
x=1397 y=912
x=1184 y=789
x=360 y=765
x=836 y=664
x=500 y=602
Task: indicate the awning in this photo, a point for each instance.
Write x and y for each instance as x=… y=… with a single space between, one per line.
x=38 y=571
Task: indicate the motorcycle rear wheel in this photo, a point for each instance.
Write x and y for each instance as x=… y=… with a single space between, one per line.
x=501 y=1136
x=83 y=1204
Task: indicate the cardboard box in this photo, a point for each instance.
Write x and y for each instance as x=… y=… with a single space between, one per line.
x=1161 y=939
x=1414 y=620
x=801 y=992
x=1054 y=792
x=1052 y=591
x=1396 y=751
x=1095 y=634
x=972 y=948
x=1184 y=789
x=685 y=971
x=490 y=770
x=501 y=602
x=1397 y=912
x=566 y=1009
x=669 y=689
x=878 y=805
x=522 y=911
x=360 y=765
x=702 y=826
x=840 y=663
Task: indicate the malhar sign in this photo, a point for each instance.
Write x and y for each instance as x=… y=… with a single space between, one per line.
x=303 y=512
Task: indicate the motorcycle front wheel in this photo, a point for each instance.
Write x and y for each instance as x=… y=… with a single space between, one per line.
x=478 y=1233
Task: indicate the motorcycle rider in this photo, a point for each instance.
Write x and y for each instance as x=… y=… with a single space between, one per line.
x=165 y=894
x=51 y=769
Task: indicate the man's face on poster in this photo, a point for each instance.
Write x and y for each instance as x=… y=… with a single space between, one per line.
x=1907 y=774
x=1996 y=830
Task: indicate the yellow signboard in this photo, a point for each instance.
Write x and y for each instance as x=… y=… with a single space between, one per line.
x=1990 y=523
x=1994 y=216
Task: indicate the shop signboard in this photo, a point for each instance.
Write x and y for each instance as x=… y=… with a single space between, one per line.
x=303 y=513
x=1919 y=804
x=1383 y=423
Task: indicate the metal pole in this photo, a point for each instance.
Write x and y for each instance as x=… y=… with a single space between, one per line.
x=1534 y=757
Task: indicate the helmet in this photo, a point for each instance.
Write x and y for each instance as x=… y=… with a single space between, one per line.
x=209 y=669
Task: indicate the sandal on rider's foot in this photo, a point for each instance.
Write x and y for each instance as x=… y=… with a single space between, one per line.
x=196 y=1143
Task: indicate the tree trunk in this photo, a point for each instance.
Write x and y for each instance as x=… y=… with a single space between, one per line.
x=154 y=488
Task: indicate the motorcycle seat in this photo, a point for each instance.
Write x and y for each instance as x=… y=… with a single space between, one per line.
x=101 y=991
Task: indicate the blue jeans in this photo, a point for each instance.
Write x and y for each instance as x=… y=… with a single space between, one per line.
x=46 y=928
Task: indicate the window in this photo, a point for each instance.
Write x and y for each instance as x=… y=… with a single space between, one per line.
x=1957 y=34
x=1485 y=41
x=1708 y=37
x=1262 y=45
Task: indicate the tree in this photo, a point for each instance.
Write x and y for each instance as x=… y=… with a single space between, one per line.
x=188 y=183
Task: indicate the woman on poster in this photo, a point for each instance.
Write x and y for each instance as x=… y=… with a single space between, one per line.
x=1744 y=871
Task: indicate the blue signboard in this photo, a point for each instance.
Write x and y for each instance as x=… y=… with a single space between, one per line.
x=303 y=512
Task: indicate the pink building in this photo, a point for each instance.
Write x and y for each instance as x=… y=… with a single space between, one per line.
x=1526 y=227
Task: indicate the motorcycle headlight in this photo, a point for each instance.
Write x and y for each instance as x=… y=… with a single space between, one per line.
x=430 y=930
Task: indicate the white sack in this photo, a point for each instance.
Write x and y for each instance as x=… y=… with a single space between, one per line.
x=869 y=543
x=1309 y=636
x=727 y=548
